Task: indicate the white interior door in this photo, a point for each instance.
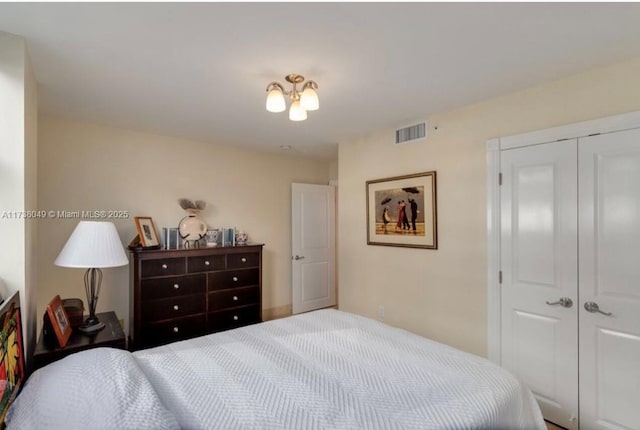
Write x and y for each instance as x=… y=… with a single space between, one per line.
x=539 y=270
x=313 y=247
x=609 y=167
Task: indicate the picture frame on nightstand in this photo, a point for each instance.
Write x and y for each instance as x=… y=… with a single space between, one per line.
x=59 y=321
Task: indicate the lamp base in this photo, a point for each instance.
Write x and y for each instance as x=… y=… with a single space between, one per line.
x=91 y=325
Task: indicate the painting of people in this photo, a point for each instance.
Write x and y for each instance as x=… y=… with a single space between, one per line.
x=401 y=211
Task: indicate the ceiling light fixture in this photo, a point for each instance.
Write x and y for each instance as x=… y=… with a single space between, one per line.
x=301 y=101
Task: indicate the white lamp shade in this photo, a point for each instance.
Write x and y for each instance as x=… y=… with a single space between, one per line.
x=297 y=112
x=275 y=101
x=93 y=244
x=309 y=99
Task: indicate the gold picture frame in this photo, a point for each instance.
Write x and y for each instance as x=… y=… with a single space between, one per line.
x=402 y=211
x=147 y=232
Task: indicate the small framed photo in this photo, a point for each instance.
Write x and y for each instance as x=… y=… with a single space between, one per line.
x=229 y=236
x=213 y=237
x=401 y=211
x=147 y=231
x=59 y=321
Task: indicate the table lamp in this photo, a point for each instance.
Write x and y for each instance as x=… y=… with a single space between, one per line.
x=93 y=245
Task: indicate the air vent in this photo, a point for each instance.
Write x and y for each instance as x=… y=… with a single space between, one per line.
x=411 y=133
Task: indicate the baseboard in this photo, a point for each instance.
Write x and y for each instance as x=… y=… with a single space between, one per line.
x=276 y=312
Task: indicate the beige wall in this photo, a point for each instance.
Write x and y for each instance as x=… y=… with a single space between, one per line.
x=91 y=167
x=18 y=193
x=441 y=293
x=333 y=170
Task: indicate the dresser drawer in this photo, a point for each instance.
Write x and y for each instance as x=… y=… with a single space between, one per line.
x=163 y=267
x=233 y=298
x=232 y=279
x=205 y=263
x=155 y=310
x=172 y=287
x=234 y=318
x=177 y=295
x=241 y=261
x=161 y=333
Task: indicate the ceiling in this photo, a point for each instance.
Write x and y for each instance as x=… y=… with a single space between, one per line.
x=200 y=70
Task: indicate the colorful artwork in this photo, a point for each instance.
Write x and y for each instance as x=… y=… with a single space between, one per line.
x=401 y=211
x=12 y=372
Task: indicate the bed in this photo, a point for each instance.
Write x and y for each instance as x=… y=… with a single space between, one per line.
x=319 y=370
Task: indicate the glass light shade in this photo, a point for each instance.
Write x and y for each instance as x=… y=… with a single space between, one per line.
x=93 y=244
x=309 y=99
x=297 y=112
x=275 y=101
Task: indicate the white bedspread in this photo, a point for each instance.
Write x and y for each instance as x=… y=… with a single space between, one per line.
x=99 y=389
x=333 y=370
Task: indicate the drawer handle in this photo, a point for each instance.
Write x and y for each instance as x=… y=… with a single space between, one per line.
x=176 y=307
x=176 y=286
x=176 y=329
x=235 y=298
x=243 y=259
x=235 y=279
x=235 y=317
x=164 y=266
x=206 y=263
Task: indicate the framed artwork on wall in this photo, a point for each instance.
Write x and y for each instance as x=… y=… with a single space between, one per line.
x=401 y=211
x=12 y=366
x=147 y=231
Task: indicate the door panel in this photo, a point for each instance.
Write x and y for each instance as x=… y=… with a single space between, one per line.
x=539 y=265
x=609 y=178
x=313 y=247
x=532 y=332
x=534 y=225
x=617 y=360
x=314 y=278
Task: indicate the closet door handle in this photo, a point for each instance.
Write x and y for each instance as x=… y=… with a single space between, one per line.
x=593 y=308
x=565 y=302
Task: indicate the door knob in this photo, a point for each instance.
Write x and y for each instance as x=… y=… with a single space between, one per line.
x=565 y=302
x=297 y=257
x=593 y=308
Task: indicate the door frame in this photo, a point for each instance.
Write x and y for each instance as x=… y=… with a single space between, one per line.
x=494 y=146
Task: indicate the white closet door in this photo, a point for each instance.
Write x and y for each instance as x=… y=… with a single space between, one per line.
x=539 y=267
x=609 y=167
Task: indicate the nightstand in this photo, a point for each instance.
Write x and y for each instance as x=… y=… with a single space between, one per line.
x=111 y=336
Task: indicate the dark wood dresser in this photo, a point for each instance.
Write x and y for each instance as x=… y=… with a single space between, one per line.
x=182 y=293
